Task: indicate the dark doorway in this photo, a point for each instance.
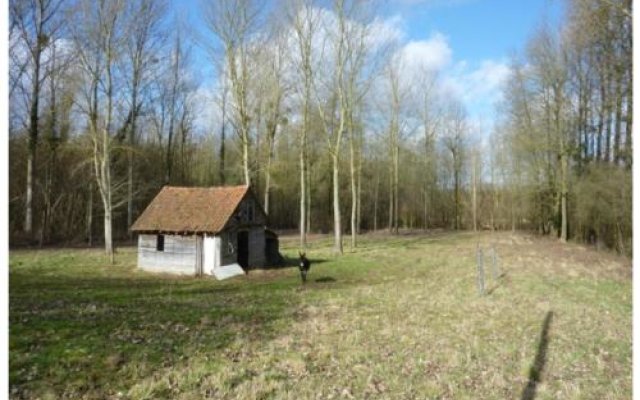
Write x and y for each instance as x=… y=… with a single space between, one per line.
x=243 y=249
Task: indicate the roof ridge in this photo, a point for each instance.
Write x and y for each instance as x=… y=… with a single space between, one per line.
x=191 y=208
x=205 y=187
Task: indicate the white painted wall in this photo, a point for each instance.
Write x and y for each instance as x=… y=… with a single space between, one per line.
x=210 y=254
x=178 y=257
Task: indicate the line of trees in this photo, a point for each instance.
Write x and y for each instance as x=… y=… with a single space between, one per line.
x=317 y=107
x=565 y=133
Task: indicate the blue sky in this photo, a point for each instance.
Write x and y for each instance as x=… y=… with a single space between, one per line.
x=468 y=41
x=476 y=29
x=480 y=36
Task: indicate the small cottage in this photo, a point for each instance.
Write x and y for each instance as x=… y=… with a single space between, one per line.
x=195 y=230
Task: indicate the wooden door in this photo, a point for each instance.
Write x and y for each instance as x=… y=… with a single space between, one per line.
x=243 y=249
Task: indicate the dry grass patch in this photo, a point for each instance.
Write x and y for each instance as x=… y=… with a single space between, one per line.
x=399 y=317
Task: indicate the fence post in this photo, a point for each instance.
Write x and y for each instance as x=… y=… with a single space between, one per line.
x=479 y=262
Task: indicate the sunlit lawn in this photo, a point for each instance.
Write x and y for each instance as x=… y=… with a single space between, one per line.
x=400 y=317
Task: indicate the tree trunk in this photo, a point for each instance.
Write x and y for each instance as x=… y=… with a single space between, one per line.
x=132 y=135
x=267 y=189
x=396 y=191
x=618 y=123
x=52 y=138
x=267 y=179
x=90 y=216
x=336 y=203
x=106 y=184
x=375 y=203
x=564 y=192
x=474 y=198
x=105 y=173
x=222 y=141
x=303 y=192
x=513 y=211
x=245 y=158
x=256 y=156
x=308 y=197
x=427 y=173
x=628 y=149
x=425 y=223
x=456 y=223
x=169 y=154
x=28 y=219
x=172 y=108
x=359 y=198
x=33 y=138
x=607 y=149
x=354 y=192
x=602 y=112
x=130 y=195
x=391 y=197
x=108 y=236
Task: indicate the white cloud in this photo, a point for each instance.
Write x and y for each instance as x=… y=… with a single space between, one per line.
x=207 y=111
x=489 y=77
x=479 y=86
x=432 y=54
x=384 y=31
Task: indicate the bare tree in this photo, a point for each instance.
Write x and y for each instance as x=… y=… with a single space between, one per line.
x=423 y=93
x=455 y=131
x=36 y=25
x=474 y=188
x=99 y=42
x=174 y=88
x=273 y=60
x=222 y=101
x=233 y=22
x=338 y=91
x=397 y=96
x=550 y=72
x=361 y=68
x=304 y=21
x=142 y=41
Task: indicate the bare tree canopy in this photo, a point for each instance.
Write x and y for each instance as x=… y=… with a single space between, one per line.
x=319 y=106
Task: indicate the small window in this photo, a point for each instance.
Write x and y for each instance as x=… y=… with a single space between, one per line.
x=160 y=243
x=250 y=212
x=228 y=240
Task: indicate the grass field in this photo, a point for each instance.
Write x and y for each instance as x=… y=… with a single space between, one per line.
x=399 y=318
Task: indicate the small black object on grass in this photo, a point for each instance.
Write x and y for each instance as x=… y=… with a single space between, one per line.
x=304 y=266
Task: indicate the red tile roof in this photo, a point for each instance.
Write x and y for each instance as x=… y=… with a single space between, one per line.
x=190 y=209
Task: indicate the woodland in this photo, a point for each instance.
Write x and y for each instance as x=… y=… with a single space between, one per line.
x=312 y=105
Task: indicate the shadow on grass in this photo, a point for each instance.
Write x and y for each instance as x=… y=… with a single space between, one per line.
x=326 y=279
x=288 y=262
x=294 y=261
x=535 y=371
x=498 y=282
x=80 y=333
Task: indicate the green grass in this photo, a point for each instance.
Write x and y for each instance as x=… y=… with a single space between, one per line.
x=400 y=317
